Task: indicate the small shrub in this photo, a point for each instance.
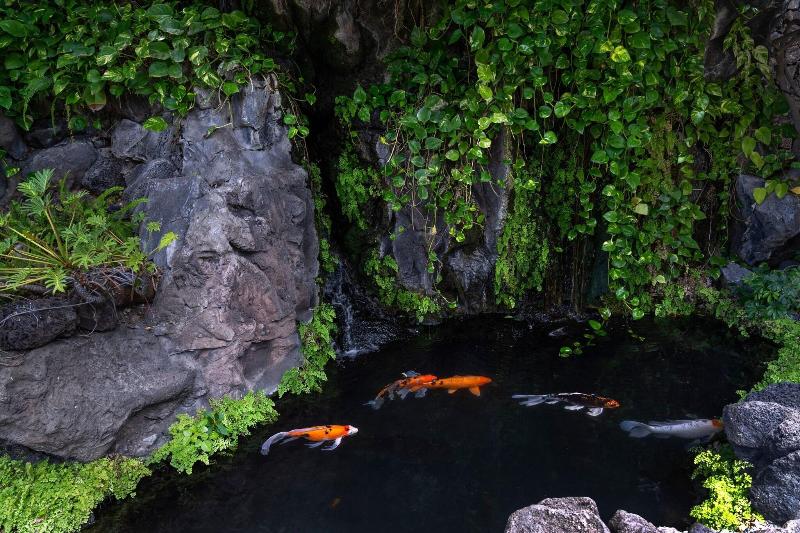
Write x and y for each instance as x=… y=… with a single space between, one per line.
x=771 y=294
x=316 y=338
x=52 y=238
x=197 y=438
x=728 y=483
x=49 y=497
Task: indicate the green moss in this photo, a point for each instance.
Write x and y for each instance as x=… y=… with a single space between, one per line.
x=322 y=220
x=523 y=249
x=383 y=272
x=728 y=483
x=47 y=497
x=316 y=338
x=356 y=185
x=197 y=438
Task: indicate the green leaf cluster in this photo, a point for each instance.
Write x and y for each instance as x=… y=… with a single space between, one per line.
x=316 y=341
x=196 y=438
x=80 y=53
x=47 y=497
x=51 y=237
x=618 y=86
x=728 y=483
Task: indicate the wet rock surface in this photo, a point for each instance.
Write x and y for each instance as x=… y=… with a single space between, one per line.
x=233 y=285
x=768 y=227
x=765 y=428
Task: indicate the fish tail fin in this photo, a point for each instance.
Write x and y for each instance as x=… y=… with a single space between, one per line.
x=530 y=400
x=376 y=403
x=634 y=429
x=272 y=440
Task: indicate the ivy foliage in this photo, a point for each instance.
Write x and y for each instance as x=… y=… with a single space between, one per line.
x=316 y=341
x=196 y=438
x=728 y=483
x=80 y=53
x=49 y=497
x=618 y=86
x=53 y=237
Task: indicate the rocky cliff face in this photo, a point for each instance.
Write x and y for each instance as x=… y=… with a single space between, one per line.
x=233 y=286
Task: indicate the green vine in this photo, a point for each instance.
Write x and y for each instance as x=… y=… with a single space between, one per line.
x=618 y=86
x=79 y=53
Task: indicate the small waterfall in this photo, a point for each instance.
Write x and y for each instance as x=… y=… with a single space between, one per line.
x=363 y=326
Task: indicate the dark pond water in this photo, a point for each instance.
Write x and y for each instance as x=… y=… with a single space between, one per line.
x=458 y=462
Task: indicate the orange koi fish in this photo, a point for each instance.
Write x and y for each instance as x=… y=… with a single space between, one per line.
x=574 y=401
x=410 y=383
x=452 y=384
x=316 y=434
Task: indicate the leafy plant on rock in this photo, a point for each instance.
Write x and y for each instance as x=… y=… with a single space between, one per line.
x=316 y=344
x=197 y=438
x=54 y=238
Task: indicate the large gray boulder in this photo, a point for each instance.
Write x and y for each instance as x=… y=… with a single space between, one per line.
x=557 y=515
x=77 y=398
x=776 y=489
x=765 y=428
x=768 y=226
x=233 y=286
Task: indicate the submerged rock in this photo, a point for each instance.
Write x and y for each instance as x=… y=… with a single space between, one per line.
x=557 y=515
x=233 y=286
x=765 y=428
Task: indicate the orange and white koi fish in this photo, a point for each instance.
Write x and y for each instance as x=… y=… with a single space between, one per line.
x=318 y=435
x=684 y=429
x=452 y=384
x=410 y=383
x=575 y=401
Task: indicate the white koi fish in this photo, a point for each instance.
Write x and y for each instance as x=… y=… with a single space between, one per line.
x=684 y=429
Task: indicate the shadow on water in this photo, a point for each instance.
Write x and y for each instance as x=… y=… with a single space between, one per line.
x=460 y=463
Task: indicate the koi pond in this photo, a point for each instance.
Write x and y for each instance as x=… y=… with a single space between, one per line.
x=457 y=462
